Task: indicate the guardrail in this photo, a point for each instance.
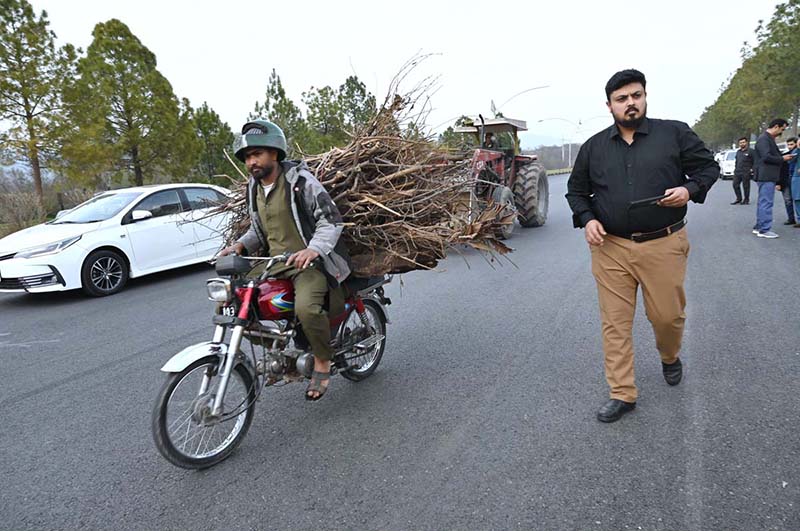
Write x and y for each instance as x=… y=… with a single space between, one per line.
x=559 y=171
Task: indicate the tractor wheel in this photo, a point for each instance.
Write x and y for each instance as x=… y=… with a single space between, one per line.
x=531 y=193
x=503 y=195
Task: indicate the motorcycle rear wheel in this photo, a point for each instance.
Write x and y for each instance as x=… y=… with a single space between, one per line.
x=367 y=363
x=183 y=429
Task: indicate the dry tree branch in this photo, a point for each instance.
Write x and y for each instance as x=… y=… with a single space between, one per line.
x=404 y=201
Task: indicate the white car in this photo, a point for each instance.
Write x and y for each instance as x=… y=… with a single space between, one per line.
x=727 y=164
x=114 y=236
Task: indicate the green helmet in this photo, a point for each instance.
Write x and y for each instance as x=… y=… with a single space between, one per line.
x=261 y=133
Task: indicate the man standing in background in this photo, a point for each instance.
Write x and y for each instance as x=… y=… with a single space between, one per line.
x=743 y=171
x=785 y=183
x=768 y=172
x=794 y=179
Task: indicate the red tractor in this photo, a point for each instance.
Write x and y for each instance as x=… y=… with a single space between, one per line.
x=504 y=175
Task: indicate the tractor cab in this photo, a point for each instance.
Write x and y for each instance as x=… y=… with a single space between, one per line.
x=498 y=134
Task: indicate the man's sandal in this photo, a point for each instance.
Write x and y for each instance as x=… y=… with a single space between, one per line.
x=317 y=379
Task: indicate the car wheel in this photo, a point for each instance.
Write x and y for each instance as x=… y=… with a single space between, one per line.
x=104 y=273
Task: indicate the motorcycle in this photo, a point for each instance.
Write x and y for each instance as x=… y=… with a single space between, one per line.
x=206 y=405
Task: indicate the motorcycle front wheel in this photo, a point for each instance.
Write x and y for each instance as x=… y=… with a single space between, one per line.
x=185 y=431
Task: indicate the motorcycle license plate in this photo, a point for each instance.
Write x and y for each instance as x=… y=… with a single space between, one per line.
x=229 y=311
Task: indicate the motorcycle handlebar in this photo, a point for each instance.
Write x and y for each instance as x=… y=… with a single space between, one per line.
x=278 y=258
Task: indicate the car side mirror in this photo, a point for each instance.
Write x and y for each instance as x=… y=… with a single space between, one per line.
x=139 y=215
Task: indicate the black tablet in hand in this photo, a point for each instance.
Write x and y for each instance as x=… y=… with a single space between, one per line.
x=647 y=201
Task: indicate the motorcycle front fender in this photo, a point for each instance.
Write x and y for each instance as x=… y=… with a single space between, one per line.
x=191 y=354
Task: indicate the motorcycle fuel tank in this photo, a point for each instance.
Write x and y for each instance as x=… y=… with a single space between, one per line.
x=276 y=299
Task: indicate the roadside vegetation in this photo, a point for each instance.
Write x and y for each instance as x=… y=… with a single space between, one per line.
x=766 y=86
x=73 y=122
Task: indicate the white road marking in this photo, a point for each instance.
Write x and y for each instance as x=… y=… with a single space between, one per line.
x=29 y=344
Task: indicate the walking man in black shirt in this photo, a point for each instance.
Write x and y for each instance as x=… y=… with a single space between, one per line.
x=743 y=171
x=638 y=244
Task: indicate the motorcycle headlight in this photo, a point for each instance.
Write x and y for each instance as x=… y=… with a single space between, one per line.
x=50 y=248
x=219 y=290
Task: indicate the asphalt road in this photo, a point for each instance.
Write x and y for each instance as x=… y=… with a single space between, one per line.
x=481 y=416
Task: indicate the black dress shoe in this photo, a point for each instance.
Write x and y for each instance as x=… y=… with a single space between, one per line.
x=673 y=372
x=736 y=202
x=613 y=410
x=746 y=202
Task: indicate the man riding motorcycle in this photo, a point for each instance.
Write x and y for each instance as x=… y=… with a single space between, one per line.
x=291 y=212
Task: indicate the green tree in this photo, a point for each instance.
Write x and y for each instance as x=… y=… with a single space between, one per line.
x=358 y=105
x=459 y=141
x=278 y=108
x=32 y=71
x=764 y=87
x=215 y=136
x=332 y=114
x=779 y=46
x=325 y=120
x=124 y=118
x=450 y=138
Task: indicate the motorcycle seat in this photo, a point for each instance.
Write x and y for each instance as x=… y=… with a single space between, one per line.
x=356 y=284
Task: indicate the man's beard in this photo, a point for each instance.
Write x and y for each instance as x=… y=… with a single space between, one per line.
x=632 y=123
x=263 y=173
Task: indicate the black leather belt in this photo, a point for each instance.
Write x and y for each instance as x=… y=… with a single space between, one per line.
x=640 y=237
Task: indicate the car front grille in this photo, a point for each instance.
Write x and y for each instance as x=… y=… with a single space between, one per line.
x=34 y=281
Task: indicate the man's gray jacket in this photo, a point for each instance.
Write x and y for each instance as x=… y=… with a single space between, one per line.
x=317 y=218
x=769 y=159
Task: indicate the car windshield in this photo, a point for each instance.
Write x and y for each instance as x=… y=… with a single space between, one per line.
x=731 y=155
x=98 y=208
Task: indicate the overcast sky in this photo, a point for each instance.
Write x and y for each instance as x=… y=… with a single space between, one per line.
x=223 y=52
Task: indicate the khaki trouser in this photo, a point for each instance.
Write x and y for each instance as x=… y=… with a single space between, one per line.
x=620 y=266
x=310 y=289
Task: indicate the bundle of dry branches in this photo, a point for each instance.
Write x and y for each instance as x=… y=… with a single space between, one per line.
x=404 y=200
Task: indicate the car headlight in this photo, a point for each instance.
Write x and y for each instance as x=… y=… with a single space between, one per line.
x=219 y=290
x=50 y=248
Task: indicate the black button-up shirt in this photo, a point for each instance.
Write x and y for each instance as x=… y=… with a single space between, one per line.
x=745 y=158
x=608 y=174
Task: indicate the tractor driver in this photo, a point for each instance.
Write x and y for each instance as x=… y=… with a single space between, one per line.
x=290 y=211
x=490 y=141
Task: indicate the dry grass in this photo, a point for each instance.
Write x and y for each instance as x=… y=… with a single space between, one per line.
x=20 y=210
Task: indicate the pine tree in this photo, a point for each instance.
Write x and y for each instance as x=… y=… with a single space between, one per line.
x=126 y=120
x=32 y=71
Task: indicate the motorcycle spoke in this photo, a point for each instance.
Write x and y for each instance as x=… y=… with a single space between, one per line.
x=198 y=431
x=189 y=427
x=364 y=330
x=210 y=438
x=202 y=436
x=186 y=416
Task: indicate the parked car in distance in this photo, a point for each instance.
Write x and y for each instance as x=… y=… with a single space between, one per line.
x=114 y=236
x=727 y=164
